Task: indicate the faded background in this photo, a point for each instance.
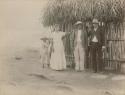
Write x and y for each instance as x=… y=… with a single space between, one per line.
x=20 y=24
x=20 y=30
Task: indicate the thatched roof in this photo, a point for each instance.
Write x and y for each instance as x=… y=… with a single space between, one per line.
x=69 y=11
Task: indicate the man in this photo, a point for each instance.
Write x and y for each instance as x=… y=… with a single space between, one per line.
x=97 y=46
x=80 y=46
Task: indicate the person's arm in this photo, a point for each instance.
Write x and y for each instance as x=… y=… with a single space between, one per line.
x=89 y=33
x=103 y=38
x=86 y=40
x=65 y=34
x=74 y=42
x=52 y=45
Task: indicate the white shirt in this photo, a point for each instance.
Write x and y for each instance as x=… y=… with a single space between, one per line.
x=95 y=38
x=79 y=36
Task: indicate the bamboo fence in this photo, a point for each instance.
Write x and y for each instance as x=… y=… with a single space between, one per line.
x=115 y=42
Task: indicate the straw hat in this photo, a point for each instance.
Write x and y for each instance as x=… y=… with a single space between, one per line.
x=78 y=23
x=44 y=39
x=95 y=21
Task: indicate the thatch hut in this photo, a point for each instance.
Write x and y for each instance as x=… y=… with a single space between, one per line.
x=111 y=12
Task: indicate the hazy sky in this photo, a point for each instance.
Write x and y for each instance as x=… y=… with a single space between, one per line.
x=20 y=22
x=21 y=14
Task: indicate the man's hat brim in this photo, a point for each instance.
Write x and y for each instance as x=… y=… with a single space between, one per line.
x=95 y=21
x=44 y=39
x=78 y=23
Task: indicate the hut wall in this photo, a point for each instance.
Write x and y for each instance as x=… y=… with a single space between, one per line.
x=115 y=42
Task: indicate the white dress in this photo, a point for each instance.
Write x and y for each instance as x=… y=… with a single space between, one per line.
x=44 y=53
x=58 y=60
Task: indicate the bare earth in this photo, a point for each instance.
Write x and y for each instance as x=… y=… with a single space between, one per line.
x=22 y=74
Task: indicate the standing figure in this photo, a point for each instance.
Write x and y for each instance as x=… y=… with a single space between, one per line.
x=44 y=53
x=96 y=46
x=58 y=60
x=80 y=46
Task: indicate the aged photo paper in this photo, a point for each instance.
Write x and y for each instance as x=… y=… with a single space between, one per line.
x=62 y=47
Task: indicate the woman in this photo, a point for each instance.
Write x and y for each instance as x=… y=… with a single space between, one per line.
x=58 y=60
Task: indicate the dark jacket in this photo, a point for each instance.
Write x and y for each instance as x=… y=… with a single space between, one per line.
x=99 y=33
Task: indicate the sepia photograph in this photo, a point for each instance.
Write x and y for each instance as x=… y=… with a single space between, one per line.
x=62 y=47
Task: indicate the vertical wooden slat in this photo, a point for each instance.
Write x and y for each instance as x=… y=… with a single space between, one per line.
x=116 y=45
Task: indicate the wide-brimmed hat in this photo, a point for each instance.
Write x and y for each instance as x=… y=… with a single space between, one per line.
x=78 y=23
x=44 y=38
x=95 y=21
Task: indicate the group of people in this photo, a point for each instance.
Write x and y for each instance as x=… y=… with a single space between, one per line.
x=87 y=42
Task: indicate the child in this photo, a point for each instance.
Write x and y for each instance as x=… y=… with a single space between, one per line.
x=44 y=52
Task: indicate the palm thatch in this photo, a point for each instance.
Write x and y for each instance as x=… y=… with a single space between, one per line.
x=68 y=11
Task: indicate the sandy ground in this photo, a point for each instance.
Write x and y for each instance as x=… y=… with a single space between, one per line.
x=21 y=73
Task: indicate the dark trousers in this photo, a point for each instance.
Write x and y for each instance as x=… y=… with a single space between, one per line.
x=96 y=56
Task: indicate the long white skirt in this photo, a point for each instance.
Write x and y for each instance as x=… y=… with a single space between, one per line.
x=58 y=60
